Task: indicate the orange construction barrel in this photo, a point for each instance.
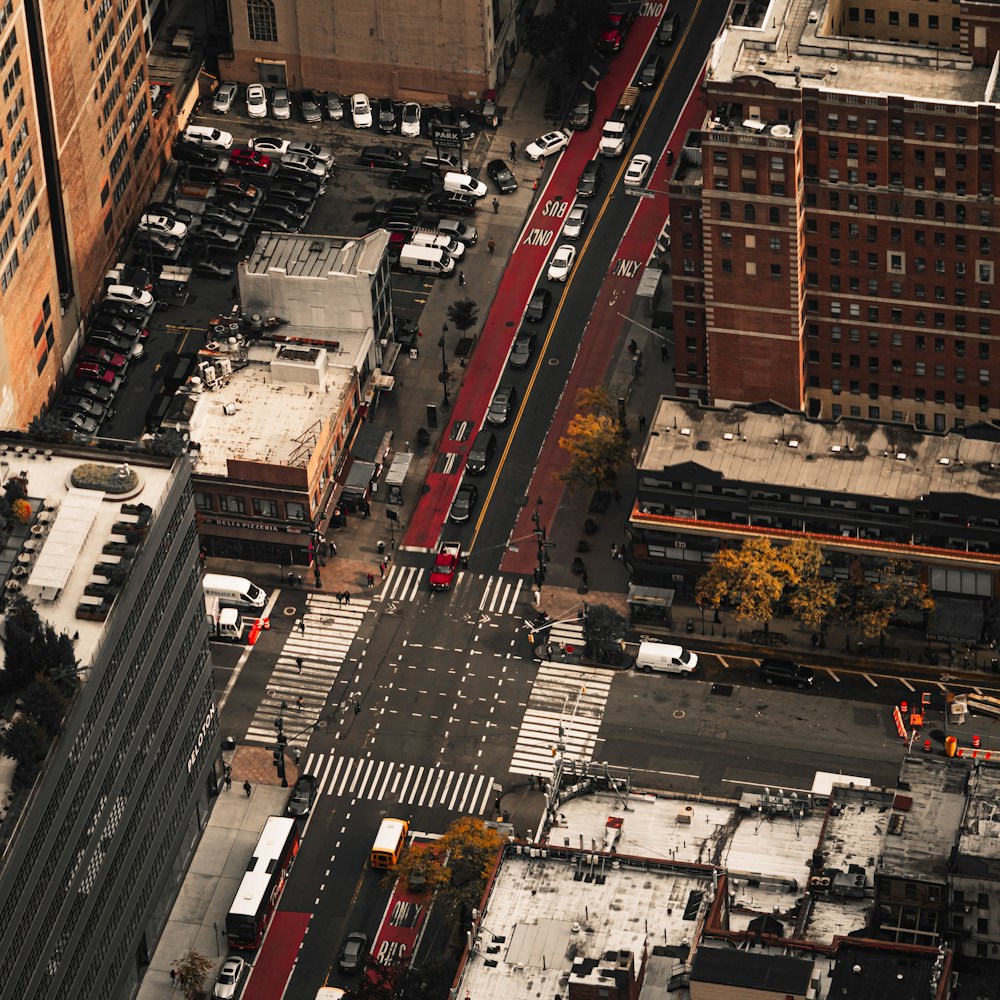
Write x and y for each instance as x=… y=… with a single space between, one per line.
x=975 y=742
x=950 y=745
x=927 y=746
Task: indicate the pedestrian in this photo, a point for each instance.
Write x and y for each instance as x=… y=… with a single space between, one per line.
x=367 y=509
x=621 y=551
x=173 y=978
x=531 y=782
x=248 y=788
x=664 y=352
x=347 y=597
x=298 y=663
x=381 y=568
x=513 y=152
x=340 y=597
x=298 y=703
x=548 y=651
x=614 y=551
x=333 y=548
x=496 y=206
x=491 y=246
x=461 y=279
x=642 y=421
x=316 y=574
x=228 y=779
x=584 y=576
x=371 y=580
x=357 y=708
x=302 y=626
x=635 y=456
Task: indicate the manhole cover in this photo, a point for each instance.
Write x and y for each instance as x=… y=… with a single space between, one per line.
x=289 y=611
x=679 y=714
x=723 y=690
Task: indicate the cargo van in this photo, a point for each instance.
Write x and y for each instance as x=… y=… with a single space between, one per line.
x=451 y=246
x=464 y=184
x=481 y=452
x=665 y=658
x=414 y=259
x=234 y=590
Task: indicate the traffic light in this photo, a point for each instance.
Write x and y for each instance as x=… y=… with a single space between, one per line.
x=276 y=754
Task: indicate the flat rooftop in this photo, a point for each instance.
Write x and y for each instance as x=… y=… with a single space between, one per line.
x=792 y=50
x=309 y=256
x=979 y=833
x=73 y=526
x=267 y=414
x=746 y=444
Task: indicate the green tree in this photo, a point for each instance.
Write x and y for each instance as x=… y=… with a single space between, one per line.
x=25 y=742
x=872 y=604
x=593 y=441
x=46 y=427
x=463 y=314
x=167 y=443
x=603 y=627
x=192 y=973
x=43 y=702
x=33 y=647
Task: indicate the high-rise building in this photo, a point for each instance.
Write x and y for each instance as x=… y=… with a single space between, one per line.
x=454 y=50
x=835 y=236
x=75 y=164
x=93 y=852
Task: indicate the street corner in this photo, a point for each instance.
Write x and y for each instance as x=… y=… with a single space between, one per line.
x=255 y=765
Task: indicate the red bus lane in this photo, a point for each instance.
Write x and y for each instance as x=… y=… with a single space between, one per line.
x=274 y=962
x=526 y=263
x=600 y=337
x=402 y=925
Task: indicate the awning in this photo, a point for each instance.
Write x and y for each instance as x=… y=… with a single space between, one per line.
x=256 y=534
x=383 y=382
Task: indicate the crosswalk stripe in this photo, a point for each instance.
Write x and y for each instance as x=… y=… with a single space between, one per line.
x=385 y=784
x=336 y=773
x=406 y=784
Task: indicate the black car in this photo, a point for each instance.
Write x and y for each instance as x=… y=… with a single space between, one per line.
x=303 y=796
x=582 y=112
x=213 y=269
x=193 y=152
x=75 y=403
x=398 y=224
x=451 y=201
x=298 y=178
x=116 y=326
x=775 y=670
x=112 y=341
x=502 y=178
x=523 y=350
x=227 y=215
x=291 y=195
x=276 y=223
x=309 y=106
x=538 y=305
x=464 y=503
x=652 y=70
x=449 y=120
x=170 y=211
x=667 y=31
x=385 y=113
x=590 y=179
x=414 y=179
x=352 y=955
x=281 y=211
x=398 y=207
x=383 y=156
x=109 y=310
x=92 y=390
x=199 y=174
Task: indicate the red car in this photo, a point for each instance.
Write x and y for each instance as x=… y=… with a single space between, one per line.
x=102 y=356
x=615 y=30
x=89 y=372
x=250 y=159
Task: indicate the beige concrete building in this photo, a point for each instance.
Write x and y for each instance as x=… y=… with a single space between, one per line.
x=448 y=50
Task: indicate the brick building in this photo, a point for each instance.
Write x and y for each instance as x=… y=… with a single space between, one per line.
x=835 y=236
x=407 y=51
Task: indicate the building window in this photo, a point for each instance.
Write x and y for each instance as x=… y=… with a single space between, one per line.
x=232 y=505
x=295 y=511
x=263 y=26
x=265 y=508
x=749 y=213
x=202 y=501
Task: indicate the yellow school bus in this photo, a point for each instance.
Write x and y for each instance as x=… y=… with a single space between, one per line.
x=389 y=843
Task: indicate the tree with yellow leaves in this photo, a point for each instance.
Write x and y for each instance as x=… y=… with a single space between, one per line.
x=594 y=442
x=871 y=604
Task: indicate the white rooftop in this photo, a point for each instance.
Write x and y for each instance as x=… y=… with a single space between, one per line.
x=255 y=416
x=60 y=556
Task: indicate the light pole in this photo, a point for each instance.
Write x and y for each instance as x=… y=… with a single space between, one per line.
x=543 y=545
x=444 y=371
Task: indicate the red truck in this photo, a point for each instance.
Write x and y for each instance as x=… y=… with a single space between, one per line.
x=447 y=562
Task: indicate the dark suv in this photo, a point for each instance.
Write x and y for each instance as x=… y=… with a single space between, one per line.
x=590 y=179
x=774 y=670
x=582 y=112
x=414 y=179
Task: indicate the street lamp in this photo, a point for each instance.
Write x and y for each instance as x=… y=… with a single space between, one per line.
x=444 y=372
x=543 y=545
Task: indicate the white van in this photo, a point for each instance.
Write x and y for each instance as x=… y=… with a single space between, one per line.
x=464 y=184
x=451 y=246
x=416 y=259
x=234 y=590
x=665 y=658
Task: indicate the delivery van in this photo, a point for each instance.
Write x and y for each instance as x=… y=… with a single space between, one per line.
x=665 y=658
x=415 y=259
x=451 y=246
x=236 y=590
x=464 y=184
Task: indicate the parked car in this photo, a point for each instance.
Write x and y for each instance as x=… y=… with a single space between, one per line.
x=615 y=31
x=638 y=170
x=503 y=180
x=229 y=978
x=581 y=113
x=352 y=954
x=462 y=231
x=281 y=104
x=213 y=269
x=87 y=371
x=102 y=356
x=270 y=145
x=386 y=115
x=292 y=194
x=198 y=174
x=383 y=156
x=667 y=30
x=275 y=223
x=414 y=179
x=236 y=208
x=101 y=394
x=250 y=159
x=205 y=135
x=776 y=670
x=464 y=503
x=170 y=211
x=303 y=796
x=590 y=179
x=575 y=221
x=118 y=326
x=279 y=215
x=309 y=182
x=85 y=406
x=361 y=111
x=112 y=314
x=523 y=350
x=538 y=305
x=502 y=405
x=114 y=343
x=562 y=262
x=450 y=201
x=309 y=106
x=222 y=99
x=195 y=154
x=410 y=122
x=215 y=232
x=546 y=145
x=234 y=187
x=256 y=101
x=317 y=150
x=444 y=161
x=77 y=422
x=131 y=296
x=224 y=217
x=162 y=224
x=299 y=163
x=652 y=70
x=396 y=207
x=334 y=107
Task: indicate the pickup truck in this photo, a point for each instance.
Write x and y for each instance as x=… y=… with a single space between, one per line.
x=447 y=561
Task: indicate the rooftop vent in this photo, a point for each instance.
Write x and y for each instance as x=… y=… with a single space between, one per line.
x=836 y=448
x=794 y=443
x=686 y=431
x=316 y=247
x=727 y=436
x=813 y=17
x=900 y=456
x=781 y=131
x=702 y=446
x=944 y=461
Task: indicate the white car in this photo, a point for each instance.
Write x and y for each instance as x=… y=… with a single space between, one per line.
x=256 y=101
x=205 y=135
x=638 y=170
x=410 y=125
x=162 y=224
x=229 y=978
x=546 y=145
x=223 y=98
x=361 y=111
x=281 y=103
x=575 y=222
x=270 y=145
x=314 y=149
x=306 y=165
x=562 y=262
x=129 y=295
